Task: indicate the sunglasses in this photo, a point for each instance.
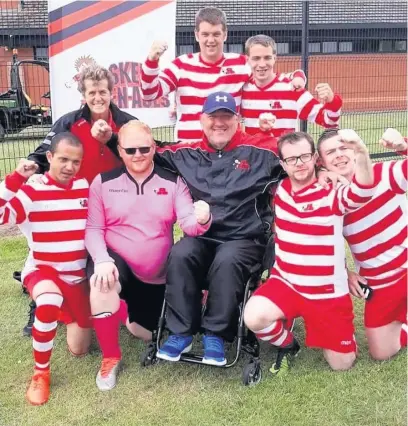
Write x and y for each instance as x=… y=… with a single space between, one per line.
x=132 y=151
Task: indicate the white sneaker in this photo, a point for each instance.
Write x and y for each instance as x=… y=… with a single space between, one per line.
x=106 y=377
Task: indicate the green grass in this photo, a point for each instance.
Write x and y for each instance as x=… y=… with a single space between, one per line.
x=372 y=393
x=369 y=125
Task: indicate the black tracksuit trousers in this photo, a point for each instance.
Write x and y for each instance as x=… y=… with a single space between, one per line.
x=222 y=268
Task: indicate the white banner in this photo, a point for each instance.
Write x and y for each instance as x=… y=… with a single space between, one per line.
x=114 y=34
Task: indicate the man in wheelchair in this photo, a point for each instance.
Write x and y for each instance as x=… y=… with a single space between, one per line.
x=232 y=172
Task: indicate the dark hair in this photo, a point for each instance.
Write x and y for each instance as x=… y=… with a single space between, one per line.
x=294 y=138
x=327 y=134
x=67 y=137
x=212 y=15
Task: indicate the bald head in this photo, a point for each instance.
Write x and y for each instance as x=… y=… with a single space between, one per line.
x=135 y=130
x=136 y=147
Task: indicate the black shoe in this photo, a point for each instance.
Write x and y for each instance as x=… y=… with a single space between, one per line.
x=17 y=277
x=31 y=314
x=285 y=358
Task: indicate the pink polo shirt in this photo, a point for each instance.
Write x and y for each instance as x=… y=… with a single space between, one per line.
x=136 y=221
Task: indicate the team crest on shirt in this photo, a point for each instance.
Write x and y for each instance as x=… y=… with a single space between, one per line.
x=161 y=191
x=228 y=71
x=308 y=207
x=84 y=203
x=275 y=105
x=241 y=164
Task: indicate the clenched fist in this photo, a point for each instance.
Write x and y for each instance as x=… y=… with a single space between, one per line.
x=26 y=168
x=352 y=140
x=392 y=139
x=298 y=83
x=105 y=276
x=266 y=121
x=324 y=93
x=101 y=131
x=157 y=50
x=202 y=212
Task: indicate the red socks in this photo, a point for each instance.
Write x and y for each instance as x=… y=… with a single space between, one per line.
x=276 y=334
x=45 y=328
x=107 y=333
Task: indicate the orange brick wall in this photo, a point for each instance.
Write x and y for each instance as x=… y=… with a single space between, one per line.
x=35 y=79
x=9 y=4
x=369 y=82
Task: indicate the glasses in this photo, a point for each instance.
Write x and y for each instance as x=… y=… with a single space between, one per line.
x=132 y=151
x=304 y=158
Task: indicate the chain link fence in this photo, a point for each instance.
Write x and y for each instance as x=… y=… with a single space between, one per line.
x=359 y=48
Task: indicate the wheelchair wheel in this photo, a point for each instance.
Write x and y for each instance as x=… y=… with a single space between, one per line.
x=252 y=373
x=148 y=357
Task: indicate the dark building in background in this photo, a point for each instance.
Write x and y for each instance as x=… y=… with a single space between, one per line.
x=358 y=47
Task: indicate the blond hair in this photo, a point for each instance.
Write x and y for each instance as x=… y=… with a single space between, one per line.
x=261 y=39
x=95 y=73
x=136 y=126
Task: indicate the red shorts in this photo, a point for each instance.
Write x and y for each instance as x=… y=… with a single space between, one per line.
x=328 y=322
x=387 y=305
x=76 y=305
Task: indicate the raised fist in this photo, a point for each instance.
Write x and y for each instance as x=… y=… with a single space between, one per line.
x=352 y=140
x=298 y=83
x=392 y=139
x=202 y=212
x=324 y=93
x=101 y=131
x=26 y=168
x=157 y=50
x=266 y=121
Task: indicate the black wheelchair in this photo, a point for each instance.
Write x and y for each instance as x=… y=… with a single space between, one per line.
x=245 y=339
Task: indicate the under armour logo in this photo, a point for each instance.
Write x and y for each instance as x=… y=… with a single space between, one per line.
x=221 y=98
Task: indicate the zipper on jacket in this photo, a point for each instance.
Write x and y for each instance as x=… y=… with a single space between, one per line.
x=219 y=154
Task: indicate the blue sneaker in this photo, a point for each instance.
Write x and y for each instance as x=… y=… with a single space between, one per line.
x=174 y=346
x=214 y=351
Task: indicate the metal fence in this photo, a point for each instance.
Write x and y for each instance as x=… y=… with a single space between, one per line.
x=359 y=48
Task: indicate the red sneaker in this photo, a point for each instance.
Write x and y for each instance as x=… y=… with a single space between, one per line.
x=38 y=392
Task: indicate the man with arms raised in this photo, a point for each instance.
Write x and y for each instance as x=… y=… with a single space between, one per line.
x=269 y=102
x=52 y=216
x=195 y=76
x=129 y=235
x=309 y=278
x=377 y=236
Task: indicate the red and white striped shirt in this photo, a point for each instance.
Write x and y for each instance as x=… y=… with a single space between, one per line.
x=287 y=105
x=53 y=219
x=377 y=232
x=309 y=248
x=193 y=80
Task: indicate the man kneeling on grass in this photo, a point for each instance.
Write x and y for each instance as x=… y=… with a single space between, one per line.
x=309 y=277
x=129 y=235
x=378 y=240
x=52 y=216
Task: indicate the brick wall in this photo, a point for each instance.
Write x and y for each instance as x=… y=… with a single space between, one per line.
x=369 y=82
